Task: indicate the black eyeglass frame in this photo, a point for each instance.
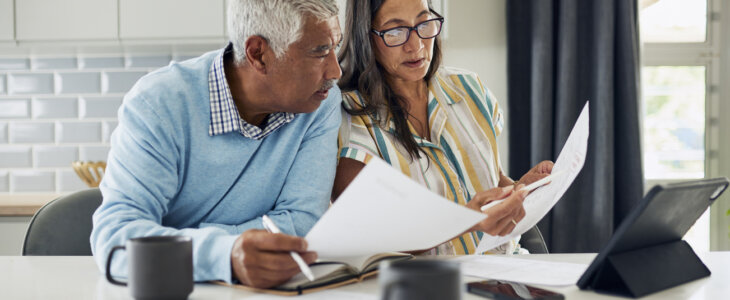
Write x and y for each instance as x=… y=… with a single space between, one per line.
x=439 y=18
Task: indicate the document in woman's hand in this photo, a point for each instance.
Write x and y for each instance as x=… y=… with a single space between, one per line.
x=538 y=203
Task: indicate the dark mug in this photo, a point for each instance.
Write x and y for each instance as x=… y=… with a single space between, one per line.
x=422 y=279
x=160 y=267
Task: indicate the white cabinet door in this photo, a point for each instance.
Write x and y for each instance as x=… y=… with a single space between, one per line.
x=7 y=20
x=66 y=19
x=141 y=19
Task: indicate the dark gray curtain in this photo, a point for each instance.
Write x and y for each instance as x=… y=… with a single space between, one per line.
x=562 y=53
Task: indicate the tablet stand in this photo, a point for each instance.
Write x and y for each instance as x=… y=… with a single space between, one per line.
x=639 y=272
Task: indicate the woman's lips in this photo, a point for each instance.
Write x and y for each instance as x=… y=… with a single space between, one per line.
x=416 y=63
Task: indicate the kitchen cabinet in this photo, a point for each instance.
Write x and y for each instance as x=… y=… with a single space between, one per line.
x=65 y=20
x=7 y=20
x=171 y=19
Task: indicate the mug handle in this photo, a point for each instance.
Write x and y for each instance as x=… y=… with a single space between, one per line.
x=389 y=288
x=109 y=266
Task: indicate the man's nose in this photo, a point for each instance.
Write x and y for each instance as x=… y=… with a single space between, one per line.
x=333 y=70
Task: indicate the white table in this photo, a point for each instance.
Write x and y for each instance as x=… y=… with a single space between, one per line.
x=59 y=277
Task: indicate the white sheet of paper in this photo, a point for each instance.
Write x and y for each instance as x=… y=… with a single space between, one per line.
x=383 y=210
x=322 y=295
x=525 y=271
x=538 y=203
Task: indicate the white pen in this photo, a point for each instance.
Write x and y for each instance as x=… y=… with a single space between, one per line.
x=530 y=187
x=271 y=227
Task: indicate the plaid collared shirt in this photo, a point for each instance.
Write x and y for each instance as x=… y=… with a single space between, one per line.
x=224 y=117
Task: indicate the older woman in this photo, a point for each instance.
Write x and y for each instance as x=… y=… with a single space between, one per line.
x=437 y=125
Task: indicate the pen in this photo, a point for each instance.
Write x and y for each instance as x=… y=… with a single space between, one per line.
x=271 y=227
x=530 y=187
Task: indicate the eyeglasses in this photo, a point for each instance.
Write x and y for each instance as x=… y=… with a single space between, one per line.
x=397 y=36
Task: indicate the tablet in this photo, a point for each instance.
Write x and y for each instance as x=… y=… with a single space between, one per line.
x=664 y=215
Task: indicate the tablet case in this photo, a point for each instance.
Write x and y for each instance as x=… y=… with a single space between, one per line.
x=647 y=253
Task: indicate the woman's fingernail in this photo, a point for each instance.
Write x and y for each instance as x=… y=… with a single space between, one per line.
x=508 y=188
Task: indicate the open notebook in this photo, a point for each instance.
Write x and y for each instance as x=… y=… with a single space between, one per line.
x=330 y=274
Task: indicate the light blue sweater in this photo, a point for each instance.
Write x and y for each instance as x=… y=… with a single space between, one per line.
x=166 y=176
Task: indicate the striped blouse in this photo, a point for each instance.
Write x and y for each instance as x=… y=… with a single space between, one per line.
x=462 y=156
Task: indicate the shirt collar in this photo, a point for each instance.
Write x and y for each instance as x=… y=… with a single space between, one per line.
x=447 y=88
x=224 y=117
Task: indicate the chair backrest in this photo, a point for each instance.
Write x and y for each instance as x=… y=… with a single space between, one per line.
x=63 y=226
x=532 y=241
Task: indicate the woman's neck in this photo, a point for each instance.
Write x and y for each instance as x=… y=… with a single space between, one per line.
x=413 y=92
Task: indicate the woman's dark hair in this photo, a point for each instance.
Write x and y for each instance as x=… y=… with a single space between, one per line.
x=360 y=71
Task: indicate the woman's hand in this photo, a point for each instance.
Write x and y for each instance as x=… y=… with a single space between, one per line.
x=539 y=171
x=501 y=218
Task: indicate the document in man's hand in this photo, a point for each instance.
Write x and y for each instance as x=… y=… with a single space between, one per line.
x=539 y=202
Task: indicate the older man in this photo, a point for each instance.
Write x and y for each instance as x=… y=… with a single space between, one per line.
x=206 y=147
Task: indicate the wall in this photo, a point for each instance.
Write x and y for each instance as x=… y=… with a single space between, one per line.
x=57 y=108
x=477 y=41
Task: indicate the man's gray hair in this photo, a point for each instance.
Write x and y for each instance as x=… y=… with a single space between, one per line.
x=278 y=21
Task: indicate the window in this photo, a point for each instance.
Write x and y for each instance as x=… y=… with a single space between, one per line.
x=680 y=84
x=673 y=21
x=674 y=121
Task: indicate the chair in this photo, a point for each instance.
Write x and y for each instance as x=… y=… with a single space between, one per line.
x=63 y=226
x=532 y=241
x=90 y=172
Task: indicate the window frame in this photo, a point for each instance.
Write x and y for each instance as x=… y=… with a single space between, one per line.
x=708 y=54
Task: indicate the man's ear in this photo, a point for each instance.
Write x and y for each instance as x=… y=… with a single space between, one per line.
x=256 y=47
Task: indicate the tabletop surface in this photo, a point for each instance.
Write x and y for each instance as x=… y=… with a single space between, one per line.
x=77 y=277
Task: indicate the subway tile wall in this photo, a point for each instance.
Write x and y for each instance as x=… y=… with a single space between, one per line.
x=58 y=109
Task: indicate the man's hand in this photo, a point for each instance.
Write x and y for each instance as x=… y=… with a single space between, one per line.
x=261 y=259
x=539 y=171
x=500 y=217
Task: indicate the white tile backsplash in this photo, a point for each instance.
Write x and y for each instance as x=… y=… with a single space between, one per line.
x=15 y=157
x=32 y=181
x=68 y=181
x=78 y=83
x=14 y=108
x=57 y=109
x=94 y=153
x=119 y=82
x=107 y=128
x=53 y=63
x=78 y=132
x=4 y=181
x=101 y=62
x=30 y=83
x=3 y=90
x=31 y=132
x=100 y=107
x=54 y=156
x=3 y=132
x=142 y=61
x=14 y=64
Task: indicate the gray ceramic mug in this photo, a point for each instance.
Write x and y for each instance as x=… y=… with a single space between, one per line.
x=160 y=267
x=420 y=279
